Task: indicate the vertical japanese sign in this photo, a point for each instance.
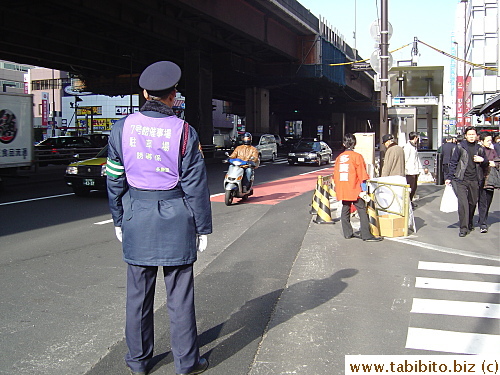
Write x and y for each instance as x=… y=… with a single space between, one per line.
x=453 y=67
x=26 y=84
x=45 y=109
x=460 y=103
x=468 y=101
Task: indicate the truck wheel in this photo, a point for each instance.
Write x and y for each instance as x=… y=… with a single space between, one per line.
x=81 y=191
x=229 y=197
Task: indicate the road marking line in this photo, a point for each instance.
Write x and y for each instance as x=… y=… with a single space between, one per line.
x=457 y=285
x=452 y=342
x=453 y=267
x=456 y=308
x=36 y=199
x=443 y=249
x=104 y=222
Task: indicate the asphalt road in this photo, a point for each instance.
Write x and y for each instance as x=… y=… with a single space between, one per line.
x=275 y=294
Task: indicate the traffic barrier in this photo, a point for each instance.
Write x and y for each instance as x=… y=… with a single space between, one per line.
x=390 y=198
x=316 y=197
x=324 y=215
x=371 y=210
x=327 y=182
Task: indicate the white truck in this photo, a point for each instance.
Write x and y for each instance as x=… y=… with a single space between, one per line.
x=16 y=133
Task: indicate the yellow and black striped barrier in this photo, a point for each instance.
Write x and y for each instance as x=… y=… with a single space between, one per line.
x=371 y=210
x=316 y=197
x=322 y=201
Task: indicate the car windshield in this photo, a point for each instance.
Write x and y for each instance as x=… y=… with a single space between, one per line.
x=308 y=146
x=103 y=153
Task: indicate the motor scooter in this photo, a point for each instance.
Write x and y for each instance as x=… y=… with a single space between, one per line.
x=233 y=182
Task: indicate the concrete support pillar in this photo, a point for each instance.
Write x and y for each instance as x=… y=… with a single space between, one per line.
x=257 y=110
x=198 y=80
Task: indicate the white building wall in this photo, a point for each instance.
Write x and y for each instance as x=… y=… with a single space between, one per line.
x=482 y=40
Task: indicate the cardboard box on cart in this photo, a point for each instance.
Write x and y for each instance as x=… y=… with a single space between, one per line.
x=391 y=225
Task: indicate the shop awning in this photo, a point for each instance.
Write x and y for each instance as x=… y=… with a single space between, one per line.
x=491 y=105
x=474 y=110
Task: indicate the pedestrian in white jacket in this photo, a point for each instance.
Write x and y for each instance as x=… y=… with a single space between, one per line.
x=412 y=164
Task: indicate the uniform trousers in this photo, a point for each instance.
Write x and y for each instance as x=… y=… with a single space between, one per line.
x=363 y=219
x=139 y=329
x=485 y=198
x=467 y=192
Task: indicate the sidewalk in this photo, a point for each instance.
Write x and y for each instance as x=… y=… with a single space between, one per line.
x=351 y=297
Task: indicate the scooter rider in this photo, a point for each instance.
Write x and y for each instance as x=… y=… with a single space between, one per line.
x=246 y=152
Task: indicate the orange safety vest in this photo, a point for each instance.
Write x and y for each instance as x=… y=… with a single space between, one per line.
x=348 y=174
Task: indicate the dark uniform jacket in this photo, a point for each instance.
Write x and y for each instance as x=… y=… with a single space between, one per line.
x=159 y=226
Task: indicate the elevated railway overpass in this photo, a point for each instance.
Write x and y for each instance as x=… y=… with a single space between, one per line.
x=268 y=58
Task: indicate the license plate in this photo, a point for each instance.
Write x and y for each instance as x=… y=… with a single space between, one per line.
x=88 y=182
x=301 y=159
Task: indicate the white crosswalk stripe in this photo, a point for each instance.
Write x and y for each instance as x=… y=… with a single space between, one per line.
x=455 y=314
x=452 y=342
x=456 y=308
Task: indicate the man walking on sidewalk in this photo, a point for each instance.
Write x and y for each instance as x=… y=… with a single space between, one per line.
x=394 y=159
x=466 y=172
x=412 y=164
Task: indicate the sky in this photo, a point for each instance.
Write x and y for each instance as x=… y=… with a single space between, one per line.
x=432 y=21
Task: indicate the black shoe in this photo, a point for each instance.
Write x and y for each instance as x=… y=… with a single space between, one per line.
x=354 y=235
x=462 y=234
x=131 y=372
x=374 y=239
x=483 y=230
x=414 y=205
x=199 y=368
x=471 y=228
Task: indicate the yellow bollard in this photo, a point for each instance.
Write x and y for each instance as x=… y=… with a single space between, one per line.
x=324 y=215
x=373 y=216
x=316 y=198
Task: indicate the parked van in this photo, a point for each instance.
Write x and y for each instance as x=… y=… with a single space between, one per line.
x=266 y=144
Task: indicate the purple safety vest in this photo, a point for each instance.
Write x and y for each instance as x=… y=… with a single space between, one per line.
x=151 y=151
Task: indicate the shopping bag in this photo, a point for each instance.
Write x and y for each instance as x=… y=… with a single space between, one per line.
x=449 y=201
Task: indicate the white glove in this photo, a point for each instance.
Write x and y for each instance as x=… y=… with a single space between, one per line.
x=201 y=242
x=364 y=195
x=118 y=231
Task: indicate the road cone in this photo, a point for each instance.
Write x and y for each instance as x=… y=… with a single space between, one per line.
x=324 y=215
x=373 y=216
x=316 y=198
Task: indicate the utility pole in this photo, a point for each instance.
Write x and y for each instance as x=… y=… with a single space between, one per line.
x=384 y=71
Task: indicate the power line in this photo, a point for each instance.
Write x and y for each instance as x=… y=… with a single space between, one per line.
x=458 y=58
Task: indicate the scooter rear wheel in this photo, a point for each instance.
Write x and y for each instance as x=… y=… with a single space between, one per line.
x=229 y=197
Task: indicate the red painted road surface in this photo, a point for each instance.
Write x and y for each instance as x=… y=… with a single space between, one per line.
x=280 y=190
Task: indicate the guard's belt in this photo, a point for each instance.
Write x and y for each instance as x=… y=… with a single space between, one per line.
x=157 y=195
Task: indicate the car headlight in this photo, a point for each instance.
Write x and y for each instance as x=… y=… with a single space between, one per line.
x=291 y=154
x=71 y=170
x=313 y=156
x=103 y=170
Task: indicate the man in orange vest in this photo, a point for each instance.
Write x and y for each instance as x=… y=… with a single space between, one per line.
x=349 y=175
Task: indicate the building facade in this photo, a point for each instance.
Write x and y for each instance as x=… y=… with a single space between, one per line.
x=477 y=31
